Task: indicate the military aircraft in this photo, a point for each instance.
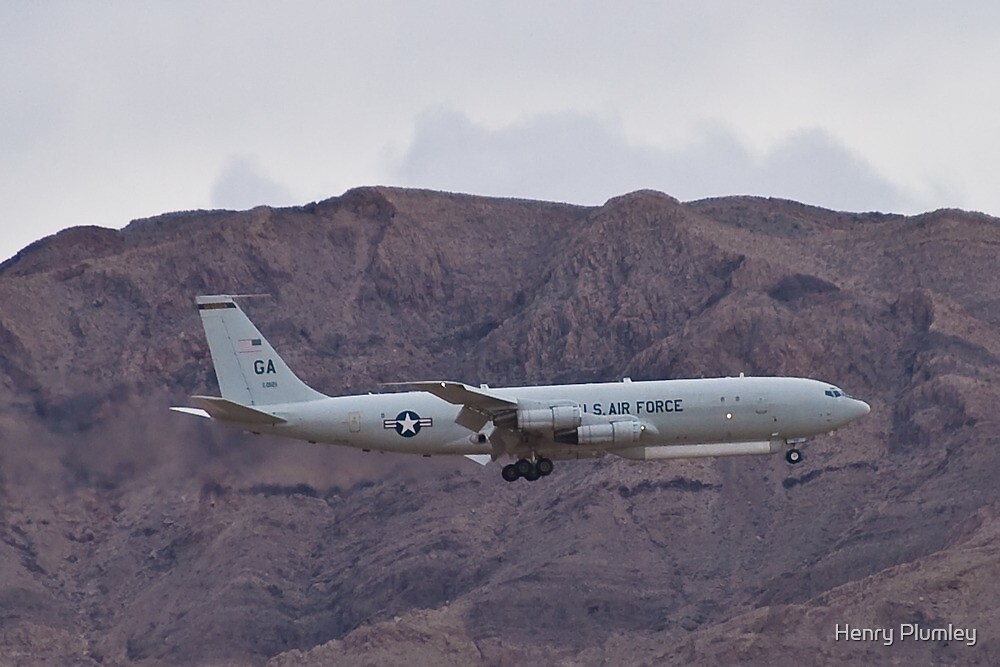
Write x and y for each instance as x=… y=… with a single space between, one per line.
x=662 y=419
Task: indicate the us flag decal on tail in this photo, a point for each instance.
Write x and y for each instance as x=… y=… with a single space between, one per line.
x=248 y=345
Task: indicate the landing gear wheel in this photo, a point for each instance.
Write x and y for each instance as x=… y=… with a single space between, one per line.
x=532 y=474
x=510 y=473
x=544 y=467
x=523 y=467
x=793 y=456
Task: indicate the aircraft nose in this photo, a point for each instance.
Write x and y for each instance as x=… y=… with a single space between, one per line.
x=861 y=408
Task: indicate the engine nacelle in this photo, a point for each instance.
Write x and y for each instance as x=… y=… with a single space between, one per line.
x=555 y=418
x=618 y=433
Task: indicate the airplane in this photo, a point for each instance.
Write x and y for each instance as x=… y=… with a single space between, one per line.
x=533 y=425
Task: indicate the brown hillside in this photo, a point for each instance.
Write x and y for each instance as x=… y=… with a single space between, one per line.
x=132 y=535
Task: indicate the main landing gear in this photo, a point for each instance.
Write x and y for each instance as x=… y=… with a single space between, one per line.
x=530 y=470
x=793 y=456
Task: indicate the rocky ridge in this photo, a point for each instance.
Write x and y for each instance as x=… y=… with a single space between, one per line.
x=131 y=535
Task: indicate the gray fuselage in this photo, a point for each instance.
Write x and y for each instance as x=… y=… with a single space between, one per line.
x=672 y=412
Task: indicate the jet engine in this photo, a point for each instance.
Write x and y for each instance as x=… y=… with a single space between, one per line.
x=612 y=433
x=559 y=417
x=555 y=418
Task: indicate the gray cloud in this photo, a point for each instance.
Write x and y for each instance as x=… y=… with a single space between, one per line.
x=111 y=111
x=583 y=159
x=242 y=184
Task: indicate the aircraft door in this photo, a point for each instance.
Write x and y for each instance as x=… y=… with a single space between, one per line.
x=354 y=422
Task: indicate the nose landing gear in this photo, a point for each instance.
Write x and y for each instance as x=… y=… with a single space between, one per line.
x=529 y=470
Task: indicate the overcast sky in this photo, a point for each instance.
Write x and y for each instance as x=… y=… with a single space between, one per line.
x=111 y=111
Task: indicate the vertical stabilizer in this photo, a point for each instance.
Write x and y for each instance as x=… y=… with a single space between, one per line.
x=250 y=372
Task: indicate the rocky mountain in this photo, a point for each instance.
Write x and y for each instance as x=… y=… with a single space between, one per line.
x=133 y=535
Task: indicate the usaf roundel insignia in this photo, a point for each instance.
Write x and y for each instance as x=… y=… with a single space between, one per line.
x=408 y=423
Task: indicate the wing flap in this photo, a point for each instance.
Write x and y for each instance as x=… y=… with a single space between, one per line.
x=472 y=419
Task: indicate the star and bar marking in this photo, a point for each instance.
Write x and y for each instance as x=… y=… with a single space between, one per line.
x=408 y=423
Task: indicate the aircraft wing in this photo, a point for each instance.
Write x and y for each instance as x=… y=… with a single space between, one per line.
x=459 y=393
x=479 y=405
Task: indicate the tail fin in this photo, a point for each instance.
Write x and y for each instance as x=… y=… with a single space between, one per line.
x=250 y=372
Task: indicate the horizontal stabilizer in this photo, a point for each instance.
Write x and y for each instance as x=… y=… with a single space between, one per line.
x=225 y=410
x=197 y=412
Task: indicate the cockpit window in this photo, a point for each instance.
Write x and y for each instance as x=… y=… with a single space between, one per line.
x=834 y=393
